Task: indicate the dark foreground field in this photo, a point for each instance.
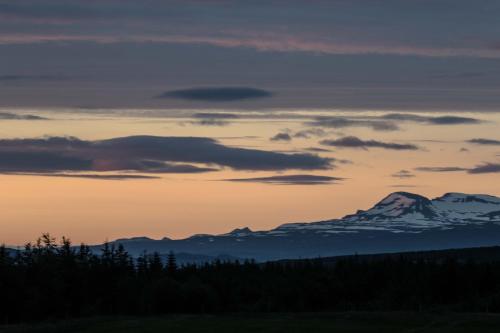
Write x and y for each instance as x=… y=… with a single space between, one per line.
x=310 y=323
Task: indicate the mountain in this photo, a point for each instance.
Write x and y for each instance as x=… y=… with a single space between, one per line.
x=400 y=222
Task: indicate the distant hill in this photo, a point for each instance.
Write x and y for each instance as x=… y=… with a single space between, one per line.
x=478 y=255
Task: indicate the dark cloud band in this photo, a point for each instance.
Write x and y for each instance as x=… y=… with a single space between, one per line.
x=147 y=154
x=217 y=94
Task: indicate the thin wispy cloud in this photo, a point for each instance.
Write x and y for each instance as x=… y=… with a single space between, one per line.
x=403 y=174
x=355 y=142
x=213 y=119
x=311 y=132
x=390 y=121
x=215 y=115
x=344 y=122
x=441 y=169
x=274 y=43
x=317 y=150
x=432 y=120
x=209 y=122
x=290 y=180
x=485 y=142
x=485 y=168
x=478 y=169
x=88 y=176
x=403 y=186
x=18 y=116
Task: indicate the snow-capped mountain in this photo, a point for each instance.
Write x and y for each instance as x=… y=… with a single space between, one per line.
x=399 y=222
x=413 y=213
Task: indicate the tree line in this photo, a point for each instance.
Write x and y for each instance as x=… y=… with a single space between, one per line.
x=50 y=280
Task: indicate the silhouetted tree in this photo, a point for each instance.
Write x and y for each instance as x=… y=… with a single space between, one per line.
x=155 y=264
x=171 y=263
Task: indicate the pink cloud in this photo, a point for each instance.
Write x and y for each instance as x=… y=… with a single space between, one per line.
x=267 y=42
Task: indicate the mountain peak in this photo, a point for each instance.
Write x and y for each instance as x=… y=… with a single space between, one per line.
x=403 y=198
x=454 y=197
x=134 y=239
x=241 y=230
x=398 y=204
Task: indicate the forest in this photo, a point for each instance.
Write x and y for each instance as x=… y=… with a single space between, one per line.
x=56 y=280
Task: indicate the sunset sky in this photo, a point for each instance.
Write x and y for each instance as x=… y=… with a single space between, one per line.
x=157 y=118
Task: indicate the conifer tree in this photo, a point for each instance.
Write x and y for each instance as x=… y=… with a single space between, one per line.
x=171 y=263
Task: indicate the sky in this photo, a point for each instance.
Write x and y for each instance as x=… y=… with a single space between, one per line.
x=172 y=118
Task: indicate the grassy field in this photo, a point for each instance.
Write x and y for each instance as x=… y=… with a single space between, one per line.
x=289 y=323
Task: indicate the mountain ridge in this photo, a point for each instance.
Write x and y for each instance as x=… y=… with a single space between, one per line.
x=400 y=221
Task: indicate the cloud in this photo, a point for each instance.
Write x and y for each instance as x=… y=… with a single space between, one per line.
x=306 y=134
x=317 y=150
x=163 y=167
x=46 y=161
x=440 y=169
x=14 y=116
x=403 y=174
x=281 y=137
x=146 y=154
x=217 y=94
x=210 y=122
x=485 y=168
x=355 y=142
x=213 y=119
x=290 y=180
x=479 y=169
x=453 y=120
x=218 y=115
x=402 y=28
x=271 y=42
x=441 y=120
x=41 y=161
x=488 y=142
x=388 y=122
x=88 y=176
x=341 y=122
